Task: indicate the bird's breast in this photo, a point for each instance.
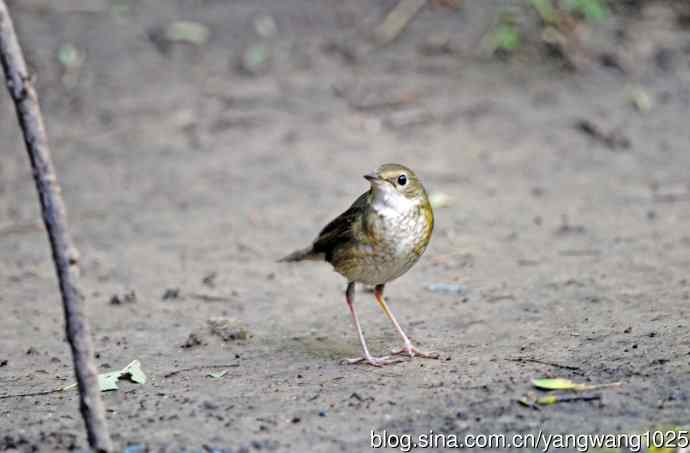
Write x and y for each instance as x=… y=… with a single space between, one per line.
x=400 y=234
x=389 y=243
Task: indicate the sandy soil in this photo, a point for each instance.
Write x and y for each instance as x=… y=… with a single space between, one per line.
x=187 y=178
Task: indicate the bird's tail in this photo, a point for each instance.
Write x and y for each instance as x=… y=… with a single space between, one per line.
x=301 y=255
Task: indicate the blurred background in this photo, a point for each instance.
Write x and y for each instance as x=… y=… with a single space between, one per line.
x=197 y=141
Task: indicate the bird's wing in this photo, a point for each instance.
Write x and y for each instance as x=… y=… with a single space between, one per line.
x=340 y=230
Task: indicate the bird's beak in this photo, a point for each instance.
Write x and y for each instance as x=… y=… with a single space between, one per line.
x=372 y=177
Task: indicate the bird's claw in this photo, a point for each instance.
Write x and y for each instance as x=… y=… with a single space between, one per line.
x=412 y=351
x=373 y=361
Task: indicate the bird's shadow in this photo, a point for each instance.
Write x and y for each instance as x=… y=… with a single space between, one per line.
x=334 y=348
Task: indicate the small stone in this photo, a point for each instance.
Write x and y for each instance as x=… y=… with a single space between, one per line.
x=210 y=280
x=192 y=341
x=126 y=298
x=447 y=288
x=171 y=294
x=265 y=26
x=209 y=405
x=228 y=329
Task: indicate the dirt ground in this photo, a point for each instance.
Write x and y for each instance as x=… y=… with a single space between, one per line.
x=187 y=174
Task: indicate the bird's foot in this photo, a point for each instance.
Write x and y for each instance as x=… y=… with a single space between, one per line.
x=412 y=351
x=373 y=361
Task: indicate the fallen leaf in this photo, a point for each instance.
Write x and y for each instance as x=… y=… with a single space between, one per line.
x=548 y=400
x=554 y=384
x=533 y=401
x=255 y=59
x=567 y=384
x=108 y=381
x=69 y=56
x=217 y=375
x=187 y=32
x=134 y=372
x=641 y=100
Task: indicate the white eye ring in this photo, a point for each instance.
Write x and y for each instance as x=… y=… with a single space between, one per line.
x=402 y=180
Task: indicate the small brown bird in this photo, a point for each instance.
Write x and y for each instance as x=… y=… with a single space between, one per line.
x=379 y=238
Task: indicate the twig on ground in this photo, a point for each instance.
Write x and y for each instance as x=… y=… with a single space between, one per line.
x=612 y=139
x=199 y=367
x=22 y=395
x=209 y=297
x=544 y=362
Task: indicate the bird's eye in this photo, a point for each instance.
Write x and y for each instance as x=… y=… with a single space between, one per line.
x=402 y=180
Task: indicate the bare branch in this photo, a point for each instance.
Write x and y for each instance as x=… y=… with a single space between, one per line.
x=65 y=255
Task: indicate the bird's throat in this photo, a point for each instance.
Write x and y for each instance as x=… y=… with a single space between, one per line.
x=390 y=203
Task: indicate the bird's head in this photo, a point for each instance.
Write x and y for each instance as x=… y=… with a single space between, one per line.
x=396 y=185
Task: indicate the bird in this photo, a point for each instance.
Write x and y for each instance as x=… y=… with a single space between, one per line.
x=378 y=239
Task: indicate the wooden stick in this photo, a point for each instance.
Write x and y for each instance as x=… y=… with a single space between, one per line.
x=65 y=255
x=544 y=362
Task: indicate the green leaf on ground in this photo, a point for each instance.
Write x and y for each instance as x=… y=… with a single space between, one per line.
x=134 y=373
x=554 y=384
x=108 y=381
x=592 y=10
x=506 y=37
x=533 y=401
x=548 y=400
x=69 y=56
x=217 y=375
x=567 y=384
x=187 y=32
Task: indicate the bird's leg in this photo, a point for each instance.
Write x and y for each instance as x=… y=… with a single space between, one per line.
x=409 y=348
x=368 y=358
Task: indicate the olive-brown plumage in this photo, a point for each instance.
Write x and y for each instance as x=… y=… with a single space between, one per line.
x=379 y=238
